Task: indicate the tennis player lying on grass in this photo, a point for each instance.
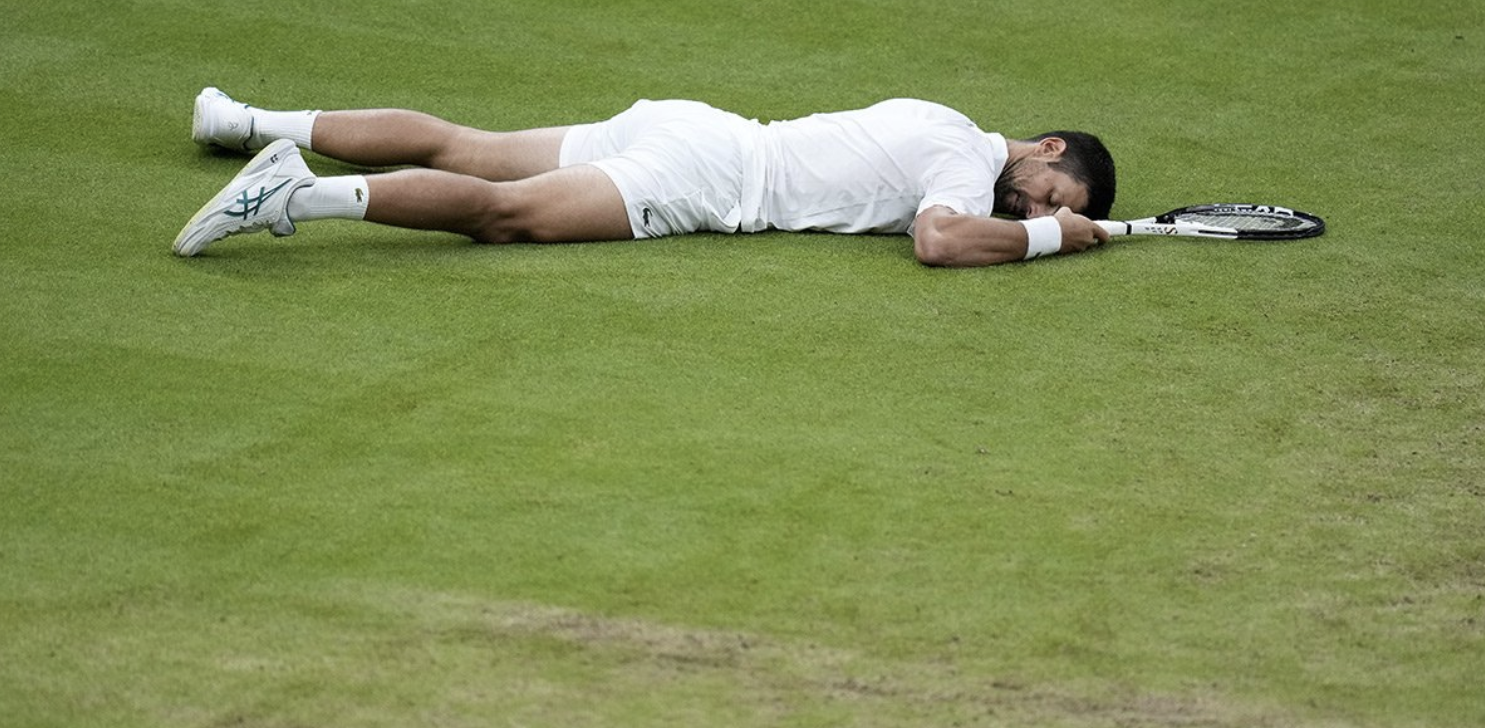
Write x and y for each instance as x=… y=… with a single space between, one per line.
x=667 y=168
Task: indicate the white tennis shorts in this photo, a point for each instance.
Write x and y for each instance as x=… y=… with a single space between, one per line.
x=681 y=166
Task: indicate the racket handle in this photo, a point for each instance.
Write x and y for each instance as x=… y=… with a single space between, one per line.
x=1115 y=227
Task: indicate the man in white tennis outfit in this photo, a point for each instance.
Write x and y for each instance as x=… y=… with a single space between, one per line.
x=667 y=168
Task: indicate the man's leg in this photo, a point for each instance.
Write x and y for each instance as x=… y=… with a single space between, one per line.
x=392 y=137
x=379 y=138
x=277 y=190
x=573 y=204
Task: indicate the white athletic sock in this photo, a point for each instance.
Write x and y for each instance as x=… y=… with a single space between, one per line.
x=342 y=198
x=295 y=126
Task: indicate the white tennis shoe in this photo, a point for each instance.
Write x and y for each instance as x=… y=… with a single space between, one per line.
x=256 y=199
x=219 y=120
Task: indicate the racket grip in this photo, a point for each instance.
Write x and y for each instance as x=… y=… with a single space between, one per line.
x=1115 y=227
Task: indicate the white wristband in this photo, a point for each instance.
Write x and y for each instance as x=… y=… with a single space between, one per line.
x=1043 y=236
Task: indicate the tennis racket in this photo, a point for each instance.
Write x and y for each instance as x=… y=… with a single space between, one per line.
x=1229 y=222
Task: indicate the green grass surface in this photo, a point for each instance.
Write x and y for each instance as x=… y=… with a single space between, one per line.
x=365 y=477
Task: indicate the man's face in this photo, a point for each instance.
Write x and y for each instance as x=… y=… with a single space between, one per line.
x=1032 y=188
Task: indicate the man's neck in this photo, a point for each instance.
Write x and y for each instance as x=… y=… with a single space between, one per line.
x=1017 y=150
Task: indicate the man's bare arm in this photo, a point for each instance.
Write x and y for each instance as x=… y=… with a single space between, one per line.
x=942 y=237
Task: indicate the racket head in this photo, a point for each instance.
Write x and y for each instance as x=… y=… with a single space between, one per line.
x=1251 y=222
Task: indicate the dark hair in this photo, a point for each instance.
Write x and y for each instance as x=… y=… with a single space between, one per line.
x=1088 y=161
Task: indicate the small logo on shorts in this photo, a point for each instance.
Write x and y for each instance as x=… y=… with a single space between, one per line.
x=645 y=217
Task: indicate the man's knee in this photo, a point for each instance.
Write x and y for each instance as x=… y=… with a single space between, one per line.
x=519 y=213
x=572 y=205
x=509 y=216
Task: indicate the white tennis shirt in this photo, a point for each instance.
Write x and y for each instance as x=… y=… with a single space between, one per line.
x=870 y=170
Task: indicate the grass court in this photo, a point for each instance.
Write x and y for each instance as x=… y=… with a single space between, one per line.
x=368 y=477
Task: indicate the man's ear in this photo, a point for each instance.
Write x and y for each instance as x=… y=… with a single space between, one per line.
x=1051 y=149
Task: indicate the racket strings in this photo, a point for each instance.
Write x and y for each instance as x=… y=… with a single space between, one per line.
x=1246 y=221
